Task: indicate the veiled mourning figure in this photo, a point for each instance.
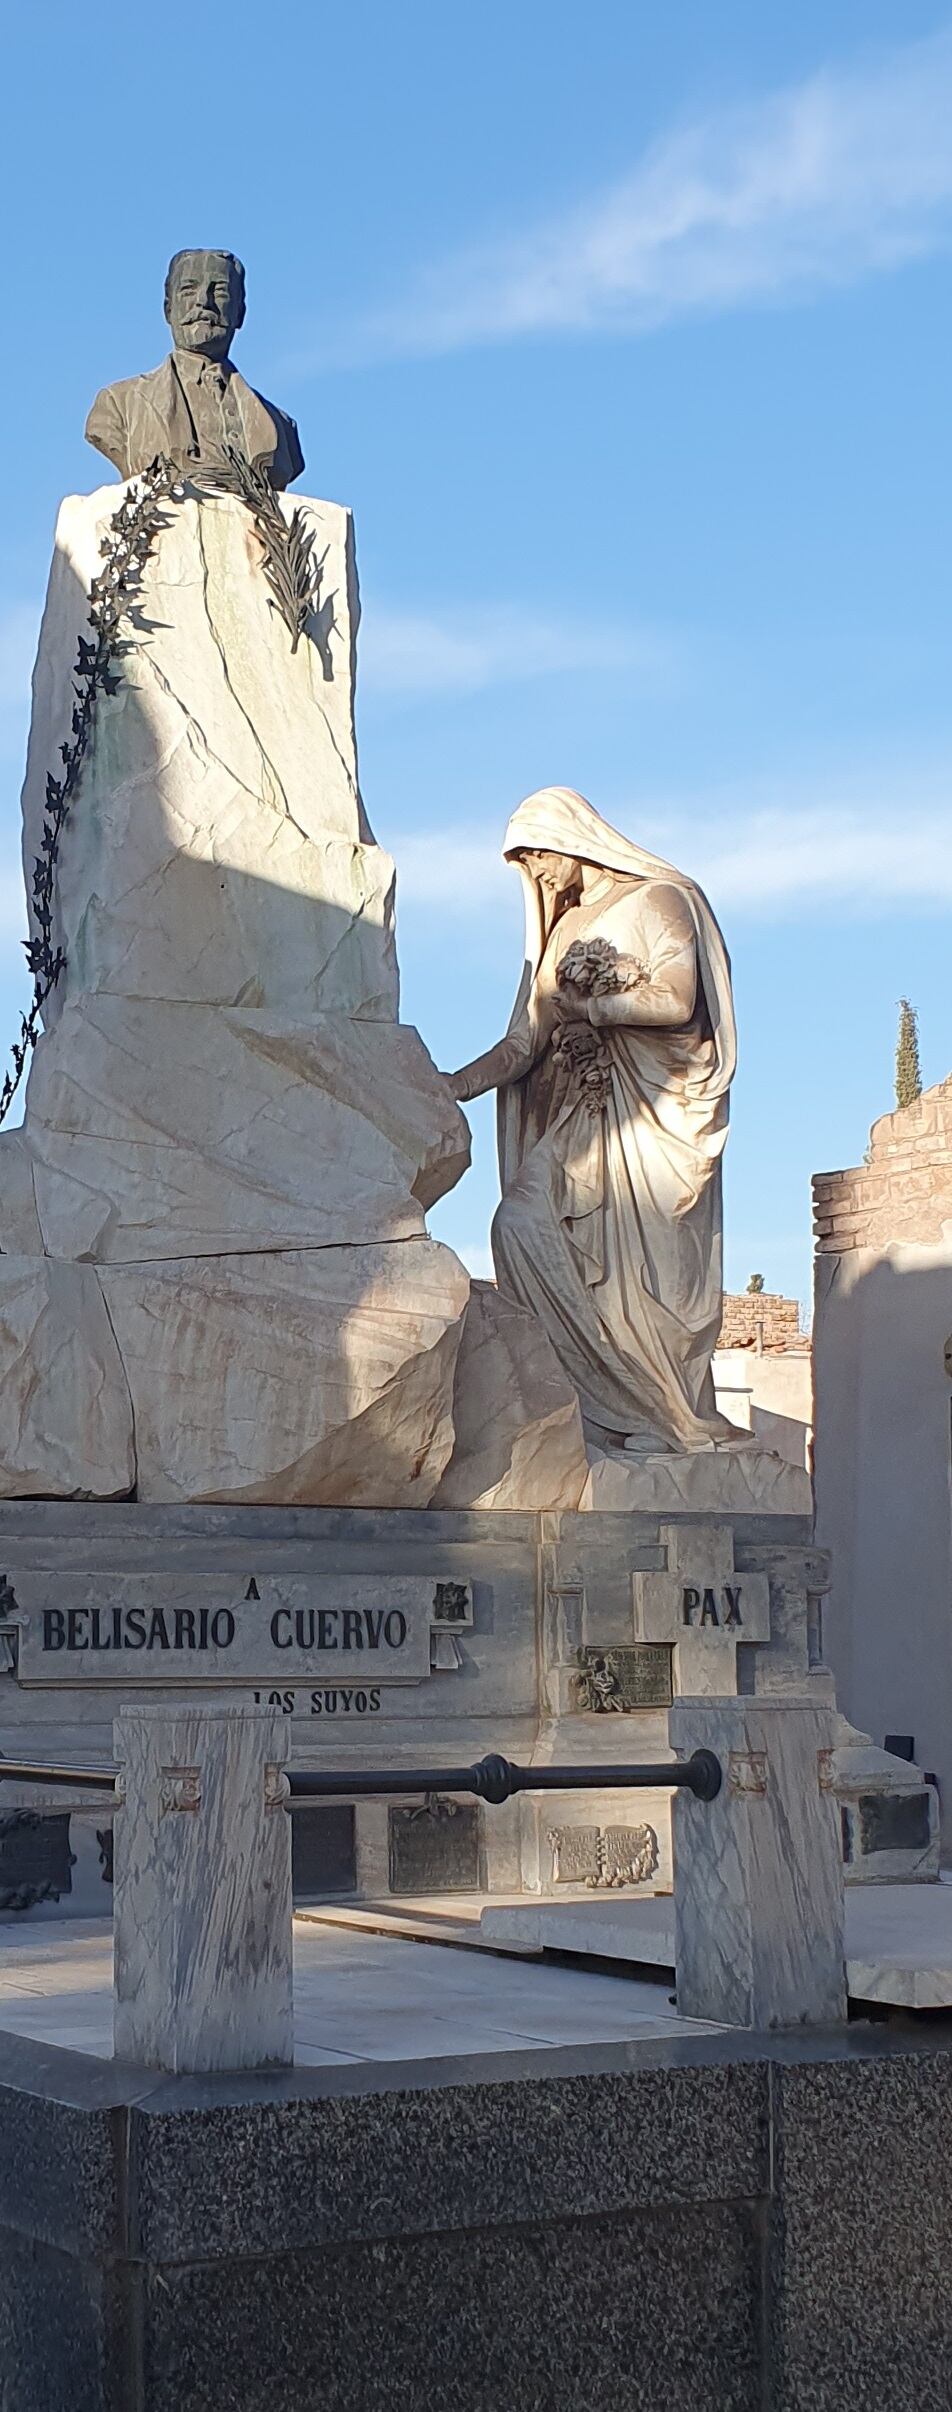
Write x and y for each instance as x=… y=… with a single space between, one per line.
x=196 y=409
x=613 y=1085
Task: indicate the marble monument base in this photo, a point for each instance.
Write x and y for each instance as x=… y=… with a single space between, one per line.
x=414 y=1638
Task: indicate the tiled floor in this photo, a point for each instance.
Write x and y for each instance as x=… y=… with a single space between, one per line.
x=358 y=1996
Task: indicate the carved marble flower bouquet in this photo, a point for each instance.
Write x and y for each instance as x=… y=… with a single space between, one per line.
x=596 y=969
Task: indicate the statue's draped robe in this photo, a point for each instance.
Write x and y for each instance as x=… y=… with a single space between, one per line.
x=609 y=1227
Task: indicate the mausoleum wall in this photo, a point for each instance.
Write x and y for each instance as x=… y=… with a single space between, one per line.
x=882 y=1457
x=902 y=1192
x=759 y=1319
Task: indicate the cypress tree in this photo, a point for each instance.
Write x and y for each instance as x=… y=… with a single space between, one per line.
x=908 y=1074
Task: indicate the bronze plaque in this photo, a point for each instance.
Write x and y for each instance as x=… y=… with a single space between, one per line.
x=35 y=1858
x=323 y=1851
x=434 y=1848
x=631 y=1675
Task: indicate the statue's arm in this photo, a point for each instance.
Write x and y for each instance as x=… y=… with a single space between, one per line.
x=510 y=1060
x=666 y=997
x=666 y=1001
x=105 y=428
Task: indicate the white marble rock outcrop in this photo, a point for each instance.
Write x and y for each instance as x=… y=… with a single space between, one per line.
x=65 y=1409
x=322 y=1376
x=215 y=1277
x=162 y=1130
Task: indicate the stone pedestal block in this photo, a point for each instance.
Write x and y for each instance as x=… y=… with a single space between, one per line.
x=758 y=1880
x=202 y=1876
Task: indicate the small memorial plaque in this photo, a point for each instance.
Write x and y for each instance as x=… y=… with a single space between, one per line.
x=576 y=1854
x=35 y=1858
x=603 y=1857
x=434 y=1847
x=323 y=1851
x=897 y=1822
x=629 y=1854
x=631 y=1676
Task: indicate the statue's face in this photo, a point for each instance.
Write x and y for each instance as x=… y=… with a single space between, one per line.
x=558 y=874
x=205 y=305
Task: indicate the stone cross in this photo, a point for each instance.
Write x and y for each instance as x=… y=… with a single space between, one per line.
x=703 y=1606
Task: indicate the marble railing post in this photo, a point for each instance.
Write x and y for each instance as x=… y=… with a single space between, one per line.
x=202 y=1890
x=758 y=1874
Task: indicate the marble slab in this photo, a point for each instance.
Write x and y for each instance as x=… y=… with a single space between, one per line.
x=704 y=1605
x=712 y=1482
x=209 y=1629
x=898 y=1937
x=358 y=1996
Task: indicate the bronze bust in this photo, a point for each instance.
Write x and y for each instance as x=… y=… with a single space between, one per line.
x=196 y=408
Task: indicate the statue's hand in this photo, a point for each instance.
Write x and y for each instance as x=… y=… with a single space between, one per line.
x=571 y=1001
x=461 y=1083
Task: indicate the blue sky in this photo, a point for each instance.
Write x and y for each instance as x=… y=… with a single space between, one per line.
x=627 y=333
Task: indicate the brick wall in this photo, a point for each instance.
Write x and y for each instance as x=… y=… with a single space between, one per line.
x=748 y=1314
x=905 y=1190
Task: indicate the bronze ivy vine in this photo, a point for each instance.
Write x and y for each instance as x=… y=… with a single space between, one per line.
x=128 y=542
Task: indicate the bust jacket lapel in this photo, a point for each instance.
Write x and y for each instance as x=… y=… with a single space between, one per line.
x=261 y=434
x=161 y=413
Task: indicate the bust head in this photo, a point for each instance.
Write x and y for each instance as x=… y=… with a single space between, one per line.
x=205 y=301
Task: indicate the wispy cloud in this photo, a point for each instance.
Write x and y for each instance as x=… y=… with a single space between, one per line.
x=819 y=846
x=408 y=654
x=819 y=184
x=841 y=856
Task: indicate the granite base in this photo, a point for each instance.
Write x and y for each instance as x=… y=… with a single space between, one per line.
x=661 y=2226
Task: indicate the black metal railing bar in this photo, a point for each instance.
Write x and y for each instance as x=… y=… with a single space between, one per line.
x=27 y=1771
x=493 y=1779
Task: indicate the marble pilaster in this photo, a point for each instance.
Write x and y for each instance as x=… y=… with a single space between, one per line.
x=758 y=1878
x=202 y=1890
